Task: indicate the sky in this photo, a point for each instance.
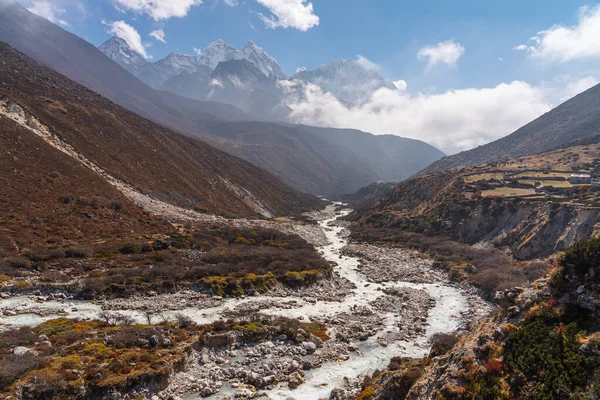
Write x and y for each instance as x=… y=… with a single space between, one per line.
x=470 y=71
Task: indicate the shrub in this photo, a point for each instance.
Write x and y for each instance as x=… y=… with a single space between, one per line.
x=78 y=252
x=582 y=257
x=442 y=343
x=14 y=367
x=17 y=262
x=543 y=358
x=117 y=205
x=130 y=248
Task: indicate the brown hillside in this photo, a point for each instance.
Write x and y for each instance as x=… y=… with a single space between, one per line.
x=158 y=162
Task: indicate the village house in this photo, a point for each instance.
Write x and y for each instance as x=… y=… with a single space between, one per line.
x=578 y=179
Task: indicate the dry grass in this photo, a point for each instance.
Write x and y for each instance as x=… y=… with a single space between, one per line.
x=507 y=191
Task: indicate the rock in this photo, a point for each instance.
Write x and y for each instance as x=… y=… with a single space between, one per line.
x=282 y=338
x=20 y=351
x=316 y=340
x=4 y=295
x=514 y=310
x=143 y=342
x=586 y=302
x=580 y=289
x=10 y=313
x=43 y=338
x=307 y=365
x=153 y=340
x=166 y=342
x=310 y=347
x=295 y=380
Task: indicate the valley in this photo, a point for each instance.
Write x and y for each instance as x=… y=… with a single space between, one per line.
x=173 y=228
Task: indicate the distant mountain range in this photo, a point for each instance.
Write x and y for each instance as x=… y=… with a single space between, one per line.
x=313 y=160
x=252 y=88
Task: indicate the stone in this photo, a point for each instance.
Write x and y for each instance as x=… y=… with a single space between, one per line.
x=153 y=340
x=586 y=302
x=514 y=310
x=20 y=351
x=310 y=347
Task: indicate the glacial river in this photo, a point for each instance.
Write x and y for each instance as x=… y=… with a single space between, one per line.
x=445 y=316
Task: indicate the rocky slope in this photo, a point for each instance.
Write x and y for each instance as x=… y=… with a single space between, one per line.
x=496 y=205
x=575 y=119
x=543 y=343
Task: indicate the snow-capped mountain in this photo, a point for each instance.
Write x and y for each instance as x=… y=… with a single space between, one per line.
x=223 y=73
x=119 y=51
x=153 y=74
x=217 y=52
x=220 y=51
x=350 y=81
x=175 y=64
x=263 y=61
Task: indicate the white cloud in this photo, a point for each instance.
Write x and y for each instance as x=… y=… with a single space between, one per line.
x=447 y=52
x=400 y=85
x=453 y=121
x=158 y=9
x=159 y=35
x=48 y=11
x=129 y=34
x=198 y=51
x=300 y=69
x=298 y=14
x=231 y=3
x=562 y=43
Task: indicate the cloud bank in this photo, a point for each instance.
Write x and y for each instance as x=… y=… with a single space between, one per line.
x=452 y=121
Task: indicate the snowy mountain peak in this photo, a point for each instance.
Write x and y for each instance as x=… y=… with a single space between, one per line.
x=350 y=81
x=120 y=52
x=263 y=61
x=217 y=52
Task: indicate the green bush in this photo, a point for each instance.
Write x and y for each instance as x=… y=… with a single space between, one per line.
x=581 y=258
x=543 y=359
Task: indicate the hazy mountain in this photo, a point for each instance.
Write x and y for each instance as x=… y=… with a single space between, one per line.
x=153 y=74
x=263 y=61
x=575 y=119
x=216 y=52
x=242 y=84
x=350 y=81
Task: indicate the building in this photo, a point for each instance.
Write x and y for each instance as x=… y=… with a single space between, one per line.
x=578 y=179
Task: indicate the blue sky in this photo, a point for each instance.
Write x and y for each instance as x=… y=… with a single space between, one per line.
x=481 y=37
x=388 y=33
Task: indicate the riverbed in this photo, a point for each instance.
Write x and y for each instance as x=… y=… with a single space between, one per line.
x=395 y=328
